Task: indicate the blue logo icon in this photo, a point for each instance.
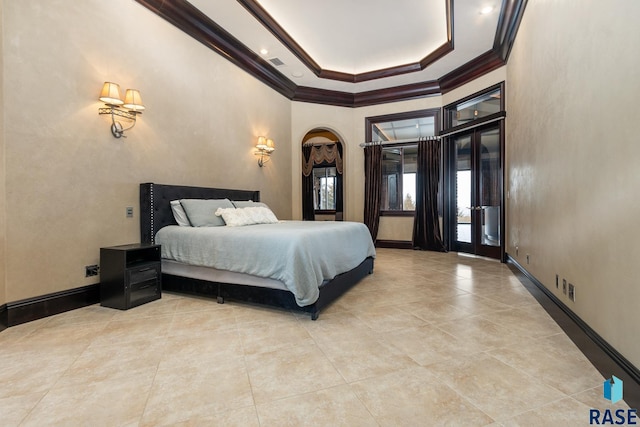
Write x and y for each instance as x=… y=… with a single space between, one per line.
x=612 y=389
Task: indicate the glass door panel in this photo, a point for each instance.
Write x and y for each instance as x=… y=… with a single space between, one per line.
x=490 y=187
x=476 y=187
x=463 y=181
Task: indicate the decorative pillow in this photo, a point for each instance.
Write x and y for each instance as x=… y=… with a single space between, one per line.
x=201 y=212
x=247 y=204
x=179 y=214
x=234 y=217
x=261 y=215
x=247 y=216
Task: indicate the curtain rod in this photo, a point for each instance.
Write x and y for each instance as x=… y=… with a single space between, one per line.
x=400 y=141
x=317 y=144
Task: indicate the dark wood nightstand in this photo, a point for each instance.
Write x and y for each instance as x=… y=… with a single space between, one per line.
x=130 y=275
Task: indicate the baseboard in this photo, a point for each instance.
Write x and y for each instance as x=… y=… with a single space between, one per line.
x=4 y=323
x=603 y=355
x=394 y=244
x=42 y=306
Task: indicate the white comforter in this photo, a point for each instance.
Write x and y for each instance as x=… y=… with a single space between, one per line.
x=301 y=254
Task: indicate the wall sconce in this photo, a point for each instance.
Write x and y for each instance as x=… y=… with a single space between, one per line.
x=132 y=106
x=264 y=148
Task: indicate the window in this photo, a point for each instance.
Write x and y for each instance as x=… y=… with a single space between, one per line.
x=475 y=107
x=399 y=178
x=399 y=134
x=324 y=188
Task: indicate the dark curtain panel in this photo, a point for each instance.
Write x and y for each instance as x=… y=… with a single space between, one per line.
x=426 y=227
x=372 y=185
x=308 y=211
x=339 y=182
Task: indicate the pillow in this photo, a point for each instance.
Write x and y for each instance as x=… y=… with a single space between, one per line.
x=247 y=216
x=234 y=217
x=201 y=212
x=261 y=215
x=179 y=214
x=247 y=204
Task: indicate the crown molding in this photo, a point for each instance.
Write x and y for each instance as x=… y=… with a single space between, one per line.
x=260 y=14
x=196 y=24
x=193 y=22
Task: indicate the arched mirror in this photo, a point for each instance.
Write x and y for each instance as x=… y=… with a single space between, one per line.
x=322 y=172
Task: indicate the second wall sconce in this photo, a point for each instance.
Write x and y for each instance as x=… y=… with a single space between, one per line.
x=128 y=109
x=264 y=148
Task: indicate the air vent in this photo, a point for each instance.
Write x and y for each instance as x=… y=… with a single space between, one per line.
x=276 y=61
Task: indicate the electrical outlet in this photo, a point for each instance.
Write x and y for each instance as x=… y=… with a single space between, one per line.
x=572 y=292
x=91 y=270
x=129 y=211
x=564 y=286
x=557 y=281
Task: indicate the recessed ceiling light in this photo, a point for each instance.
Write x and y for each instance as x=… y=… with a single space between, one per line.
x=486 y=10
x=264 y=51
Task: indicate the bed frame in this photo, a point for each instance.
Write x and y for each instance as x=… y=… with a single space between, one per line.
x=155 y=213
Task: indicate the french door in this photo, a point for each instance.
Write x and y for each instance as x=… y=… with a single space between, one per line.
x=475 y=191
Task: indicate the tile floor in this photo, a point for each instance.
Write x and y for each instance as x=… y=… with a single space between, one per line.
x=429 y=339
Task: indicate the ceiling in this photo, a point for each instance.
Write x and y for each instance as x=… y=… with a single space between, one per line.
x=353 y=53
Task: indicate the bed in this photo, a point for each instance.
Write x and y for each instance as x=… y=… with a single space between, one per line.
x=307 y=281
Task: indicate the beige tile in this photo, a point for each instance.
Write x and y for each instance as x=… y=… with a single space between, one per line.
x=555 y=361
x=593 y=398
x=242 y=417
x=31 y=369
x=117 y=401
x=566 y=412
x=362 y=357
x=190 y=303
x=123 y=330
x=434 y=310
x=474 y=305
x=428 y=339
x=532 y=322
x=336 y=406
x=429 y=344
x=197 y=345
x=15 y=408
x=64 y=334
x=287 y=372
x=336 y=326
x=249 y=313
x=482 y=332
x=497 y=389
x=90 y=314
x=196 y=389
x=202 y=321
x=101 y=363
x=384 y=319
x=413 y=397
x=265 y=336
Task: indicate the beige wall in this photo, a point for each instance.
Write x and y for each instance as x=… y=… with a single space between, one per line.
x=3 y=298
x=349 y=123
x=573 y=155
x=68 y=180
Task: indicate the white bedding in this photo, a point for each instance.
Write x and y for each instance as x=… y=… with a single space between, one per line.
x=300 y=254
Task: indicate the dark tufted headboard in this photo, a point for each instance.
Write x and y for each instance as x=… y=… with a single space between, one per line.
x=155 y=209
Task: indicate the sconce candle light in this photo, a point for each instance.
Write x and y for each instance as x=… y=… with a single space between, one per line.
x=264 y=148
x=131 y=106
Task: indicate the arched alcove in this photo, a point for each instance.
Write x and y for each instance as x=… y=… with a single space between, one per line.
x=322 y=175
